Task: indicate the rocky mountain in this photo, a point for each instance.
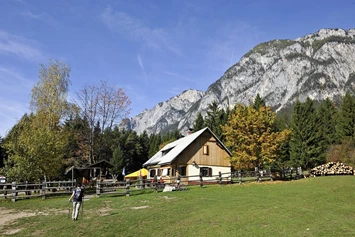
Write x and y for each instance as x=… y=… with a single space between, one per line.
x=165 y=115
x=318 y=66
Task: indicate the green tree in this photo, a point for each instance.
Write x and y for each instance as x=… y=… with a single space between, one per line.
x=49 y=95
x=307 y=143
x=117 y=161
x=215 y=118
x=249 y=137
x=282 y=160
x=345 y=127
x=199 y=122
x=2 y=153
x=258 y=102
x=76 y=149
x=327 y=114
x=20 y=165
x=39 y=144
x=144 y=141
x=154 y=143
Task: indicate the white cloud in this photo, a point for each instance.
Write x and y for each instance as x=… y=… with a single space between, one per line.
x=11 y=111
x=14 y=96
x=239 y=37
x=143 y=70
x=32 y=15
x=43 y=17
x=176 y=75
x=19 y=46
x=7 y=74
x=154 y=38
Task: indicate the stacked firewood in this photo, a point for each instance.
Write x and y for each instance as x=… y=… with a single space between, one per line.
x=332 y=168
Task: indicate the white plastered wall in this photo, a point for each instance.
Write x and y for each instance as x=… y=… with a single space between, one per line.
x=195 y=171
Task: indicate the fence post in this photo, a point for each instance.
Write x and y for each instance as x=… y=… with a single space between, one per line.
x=13 y=192
x=5 y=191
x=28 y=193
x=128 y=184
x=240 y=176
x=155 y=183
x=220 y=178
x=201 y=180
x=141 y=184
x=98 y=188
x=44 y=190
x=257 y=174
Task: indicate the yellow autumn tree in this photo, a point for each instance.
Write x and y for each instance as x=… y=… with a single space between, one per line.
x=250 y=137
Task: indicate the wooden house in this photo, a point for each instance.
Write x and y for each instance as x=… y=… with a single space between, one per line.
x=199 y=152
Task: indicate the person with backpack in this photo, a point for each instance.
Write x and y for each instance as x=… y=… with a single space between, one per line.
x=77 y=198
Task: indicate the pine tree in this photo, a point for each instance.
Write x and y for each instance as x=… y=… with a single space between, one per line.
x=117 y=161
x=199 y=122
x=2 y=153
x=258 y=102
x=214 y=119
x=345 y=127
x=328 y=115
x=307 y=143
x=144 y=141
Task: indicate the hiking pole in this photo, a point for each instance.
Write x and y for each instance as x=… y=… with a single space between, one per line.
x=69 y=211
x=82 y=209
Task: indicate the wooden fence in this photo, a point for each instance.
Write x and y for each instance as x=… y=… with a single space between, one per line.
x=129 y=187
x=17 y=191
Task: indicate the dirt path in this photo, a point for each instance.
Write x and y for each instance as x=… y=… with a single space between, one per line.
x=9 y=216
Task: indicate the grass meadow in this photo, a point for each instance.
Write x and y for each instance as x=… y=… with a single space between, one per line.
x=322 y=206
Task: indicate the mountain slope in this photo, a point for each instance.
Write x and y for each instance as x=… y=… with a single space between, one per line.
x=164 y=116
x=318 y=66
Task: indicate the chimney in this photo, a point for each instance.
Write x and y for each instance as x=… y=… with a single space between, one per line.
x=190 y=131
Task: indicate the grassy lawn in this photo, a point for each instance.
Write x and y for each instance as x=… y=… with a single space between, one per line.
x=322 y=206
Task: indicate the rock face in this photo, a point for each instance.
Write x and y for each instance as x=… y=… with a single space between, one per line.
x=164 y=116
x=319 y=66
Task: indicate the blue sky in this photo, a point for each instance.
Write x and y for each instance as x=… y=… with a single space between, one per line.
x=152 y=49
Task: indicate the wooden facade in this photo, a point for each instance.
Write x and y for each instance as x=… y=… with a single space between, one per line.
x=205 y=151
x=216 y=155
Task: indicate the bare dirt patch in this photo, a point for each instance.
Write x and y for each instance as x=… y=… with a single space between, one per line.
x=141 y=207
x=12 y=231
x=9 y=216
x=168 y=198
x=105 y=211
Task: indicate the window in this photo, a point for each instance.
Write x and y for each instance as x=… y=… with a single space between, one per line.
x=205 y=149
x=152 y=173
x=206 y=172
x=182 y=170
x=166 y=172
x=166 y=151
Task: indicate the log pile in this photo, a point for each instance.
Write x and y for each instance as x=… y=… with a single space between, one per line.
x=332 y=168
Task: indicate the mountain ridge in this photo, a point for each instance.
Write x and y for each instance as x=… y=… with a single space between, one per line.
x=319 y=65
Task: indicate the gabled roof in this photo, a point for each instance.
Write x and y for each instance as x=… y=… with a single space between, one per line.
x=101 y=164
x=177 y=147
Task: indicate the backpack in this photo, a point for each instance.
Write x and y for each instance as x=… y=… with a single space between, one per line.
x=78 y=195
